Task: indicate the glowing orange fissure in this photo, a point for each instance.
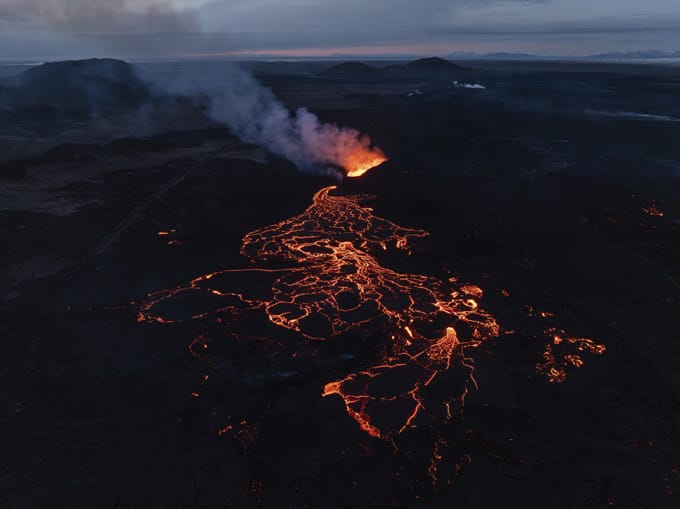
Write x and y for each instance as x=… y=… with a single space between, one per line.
x=332 y=283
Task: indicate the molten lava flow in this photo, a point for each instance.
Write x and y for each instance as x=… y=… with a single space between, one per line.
x=653 y=210
x=318 y=276
x=340 y=287
x=563 y=352
x=334 y=284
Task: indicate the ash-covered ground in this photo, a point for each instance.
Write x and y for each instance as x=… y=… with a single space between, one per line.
x=554 y=188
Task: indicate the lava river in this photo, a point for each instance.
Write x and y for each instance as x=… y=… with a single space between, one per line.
x=318 y=276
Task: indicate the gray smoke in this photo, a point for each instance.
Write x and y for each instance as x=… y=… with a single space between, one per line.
x=102 y=16
x=235 y=98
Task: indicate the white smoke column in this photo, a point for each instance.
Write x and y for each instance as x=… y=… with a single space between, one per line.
x=253 y=114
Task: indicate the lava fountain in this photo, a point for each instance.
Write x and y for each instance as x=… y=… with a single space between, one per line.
x=357 y=163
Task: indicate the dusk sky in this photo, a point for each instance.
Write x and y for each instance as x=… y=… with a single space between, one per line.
x=53 y=29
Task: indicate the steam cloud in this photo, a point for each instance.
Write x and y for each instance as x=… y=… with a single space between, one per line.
x=255 y=115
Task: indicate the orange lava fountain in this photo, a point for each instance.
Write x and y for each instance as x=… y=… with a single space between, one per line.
x=358 y=163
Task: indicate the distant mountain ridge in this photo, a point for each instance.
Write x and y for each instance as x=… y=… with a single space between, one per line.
x=635 y=55
x=615 y=55
x=433 y=67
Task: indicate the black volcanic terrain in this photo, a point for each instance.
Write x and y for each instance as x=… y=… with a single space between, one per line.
x=487 y=319
x=351 y=70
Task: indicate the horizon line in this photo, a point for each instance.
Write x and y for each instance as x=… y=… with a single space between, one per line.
x=634 y=56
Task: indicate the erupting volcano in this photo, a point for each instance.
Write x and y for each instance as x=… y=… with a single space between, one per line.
x=365 y=288
x=254 y=114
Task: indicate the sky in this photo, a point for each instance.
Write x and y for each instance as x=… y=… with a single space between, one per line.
x=149 y=29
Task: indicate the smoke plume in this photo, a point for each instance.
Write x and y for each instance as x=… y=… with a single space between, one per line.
x=252 y=112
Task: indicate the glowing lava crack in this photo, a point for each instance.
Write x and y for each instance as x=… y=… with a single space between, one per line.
x=325 y=280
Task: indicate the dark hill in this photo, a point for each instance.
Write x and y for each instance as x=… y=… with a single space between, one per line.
x=432 y=65
x=351 y=70
x=73 y=89
x=425 y=68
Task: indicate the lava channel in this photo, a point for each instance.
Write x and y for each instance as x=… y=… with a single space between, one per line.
x=318 y=276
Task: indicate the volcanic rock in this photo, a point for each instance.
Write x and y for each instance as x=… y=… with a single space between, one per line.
x=351 y=70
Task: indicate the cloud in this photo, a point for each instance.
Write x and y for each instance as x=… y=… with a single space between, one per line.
x=102 y=16
x=135 y=28
x=83 y=28
x=558 y=29
x=272 y=24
